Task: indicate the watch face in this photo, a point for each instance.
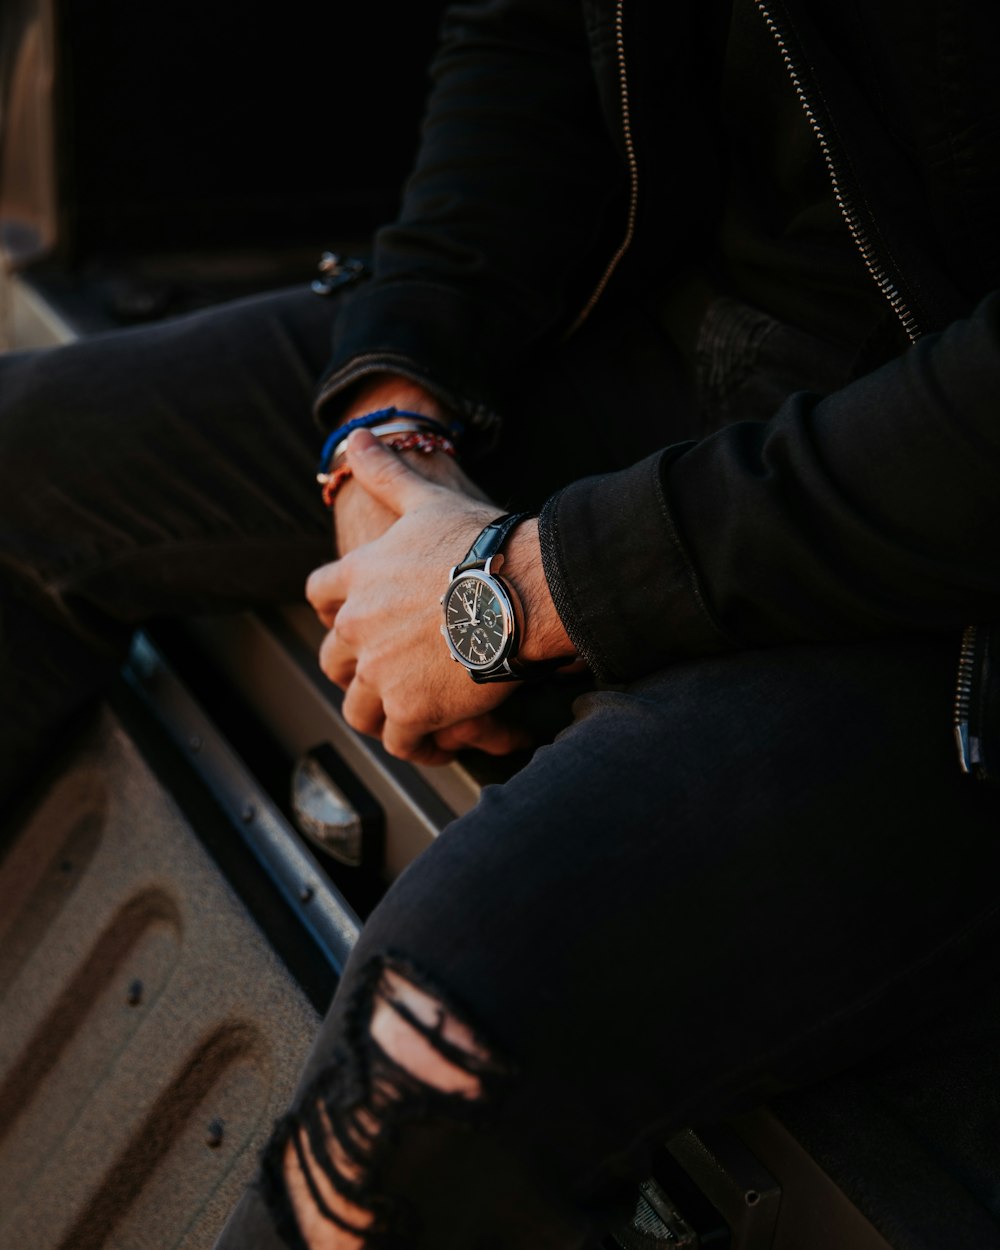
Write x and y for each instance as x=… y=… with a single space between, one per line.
x=478 y=620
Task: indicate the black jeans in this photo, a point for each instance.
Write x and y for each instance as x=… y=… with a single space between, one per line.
x=730 y=877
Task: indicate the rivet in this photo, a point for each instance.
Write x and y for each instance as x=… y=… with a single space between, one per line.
x=214 y=1134
x=248 y=813
x=194 y=742
x=133 y=995
x=306 y=893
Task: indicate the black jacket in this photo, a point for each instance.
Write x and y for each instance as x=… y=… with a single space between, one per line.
x=554 y=150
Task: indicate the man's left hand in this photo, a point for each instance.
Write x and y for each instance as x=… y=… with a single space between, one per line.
x=381 y=605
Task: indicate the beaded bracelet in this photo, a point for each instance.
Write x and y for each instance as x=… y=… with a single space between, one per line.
x=365 y=422
x=416 y=440
x=404 y=425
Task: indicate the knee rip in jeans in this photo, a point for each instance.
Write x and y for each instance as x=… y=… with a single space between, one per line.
x=407 y=1054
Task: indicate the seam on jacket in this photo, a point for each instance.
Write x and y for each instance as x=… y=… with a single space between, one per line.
x=687 y=561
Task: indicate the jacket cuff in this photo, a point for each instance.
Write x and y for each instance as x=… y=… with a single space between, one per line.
x=424 y=332
x=619 y=575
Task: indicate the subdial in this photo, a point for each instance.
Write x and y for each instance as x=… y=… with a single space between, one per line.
x=480 y=649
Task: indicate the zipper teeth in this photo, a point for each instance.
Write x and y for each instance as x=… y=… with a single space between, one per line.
x=864 y=245
x=633 y=172
x=966 y=674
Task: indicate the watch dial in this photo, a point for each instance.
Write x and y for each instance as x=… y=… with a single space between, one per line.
x=475 y=622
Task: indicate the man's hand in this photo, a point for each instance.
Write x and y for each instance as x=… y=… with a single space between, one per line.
x=358 y=516
x=381 y=604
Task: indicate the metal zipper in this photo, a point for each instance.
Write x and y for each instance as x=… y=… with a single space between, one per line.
x=967 y=743
x=864 y=244
x=968 y=661
x=633 y=173
x=869 y=253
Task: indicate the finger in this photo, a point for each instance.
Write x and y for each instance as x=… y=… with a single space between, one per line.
x=357 y=518
x=483 y=733
x=385 y=475
x=408 y=744
x=337 y=661
x=326 y=590
x=362 y=709
x=430 y=755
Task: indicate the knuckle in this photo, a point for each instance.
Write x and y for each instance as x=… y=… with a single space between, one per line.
x=358 y=716
x=395 y=748
x=313 y=587
x=347 y=628
x=402 y=715
x=334 y=663
x=364 y=676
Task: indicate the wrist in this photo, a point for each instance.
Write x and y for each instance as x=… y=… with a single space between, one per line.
x=404 y=428
x=543 y=636
x=389 y=390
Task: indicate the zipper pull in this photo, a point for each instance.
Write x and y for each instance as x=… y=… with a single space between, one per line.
x=337 y=272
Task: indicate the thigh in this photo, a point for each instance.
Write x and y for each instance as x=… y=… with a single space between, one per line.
x=730 y=877
x=169 y=463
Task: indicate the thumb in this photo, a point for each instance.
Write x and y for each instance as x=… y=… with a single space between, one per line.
x=384 y=474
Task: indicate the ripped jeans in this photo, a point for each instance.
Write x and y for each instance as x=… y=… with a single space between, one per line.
x=724 y=881
x=728 y=878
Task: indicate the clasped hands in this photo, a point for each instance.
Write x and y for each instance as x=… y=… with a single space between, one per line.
x=380 y=604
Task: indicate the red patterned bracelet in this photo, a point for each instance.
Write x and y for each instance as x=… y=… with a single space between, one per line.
x=417 y=440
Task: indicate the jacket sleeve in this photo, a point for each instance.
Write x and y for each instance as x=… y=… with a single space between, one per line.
x=514 y=175
x=873 y=511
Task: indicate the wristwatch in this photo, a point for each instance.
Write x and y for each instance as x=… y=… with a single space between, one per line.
x=482 y=613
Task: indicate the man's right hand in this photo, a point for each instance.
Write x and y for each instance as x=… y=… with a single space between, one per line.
x=357 y=517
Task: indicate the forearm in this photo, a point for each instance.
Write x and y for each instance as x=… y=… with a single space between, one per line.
x=870 y=512
x=512 y=182
x=387 y=390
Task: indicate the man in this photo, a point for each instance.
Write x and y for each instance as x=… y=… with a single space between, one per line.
x=737 y=259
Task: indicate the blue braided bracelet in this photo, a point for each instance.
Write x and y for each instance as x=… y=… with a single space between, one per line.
x=369 y=419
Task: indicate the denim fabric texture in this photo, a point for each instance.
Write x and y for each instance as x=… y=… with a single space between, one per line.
x=166 y=467
x=723 y=879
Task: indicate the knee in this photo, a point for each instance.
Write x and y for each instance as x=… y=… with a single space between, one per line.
x=411 y=1055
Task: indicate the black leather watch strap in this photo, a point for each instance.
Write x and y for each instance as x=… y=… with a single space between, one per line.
x=490 y=539
x=518 y=670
